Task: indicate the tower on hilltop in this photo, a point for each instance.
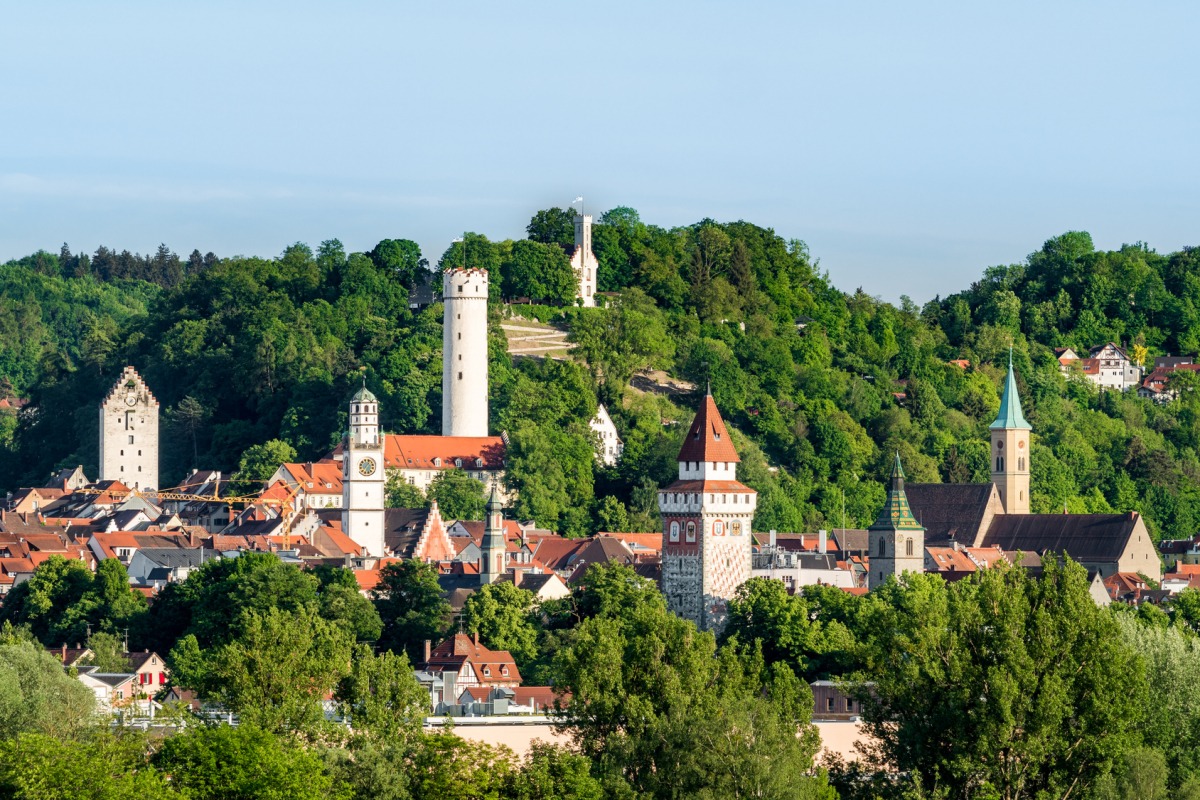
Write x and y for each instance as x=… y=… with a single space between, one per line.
x=584 y=262
x=896 y=540
x=363 y=482
x=1010 y=448
x=129 y=433
x=464 y=352
x=706 y=516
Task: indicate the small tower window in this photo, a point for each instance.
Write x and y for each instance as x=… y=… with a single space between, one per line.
x=460 y=288
x=460 y=376
x=882 y=547
x=908 y=547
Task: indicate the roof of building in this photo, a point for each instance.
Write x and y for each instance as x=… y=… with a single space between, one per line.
x=950 y=510
x=490 y=666
x=895 y=514
x=708 y=439
x=948 y=559
x=710 y=486
x=364 y=395
x=1010 y=416
x=1084 y=537
x=443 y=452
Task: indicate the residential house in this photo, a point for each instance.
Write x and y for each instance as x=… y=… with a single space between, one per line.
x=609 y=444
x=1107 y=366
x=461 y=661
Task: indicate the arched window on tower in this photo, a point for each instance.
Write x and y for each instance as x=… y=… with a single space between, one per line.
x=908 y=546
x=882 y=547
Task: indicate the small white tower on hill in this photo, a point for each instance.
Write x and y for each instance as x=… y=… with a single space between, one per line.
x=364 y=486
x=465 y=353
x=584 y=262
x=129 y=433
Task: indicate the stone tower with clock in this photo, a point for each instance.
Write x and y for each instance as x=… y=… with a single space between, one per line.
x=364 y=486
x=896 y=540
x=1010 y=449
x=129 y=433
x=706 y=516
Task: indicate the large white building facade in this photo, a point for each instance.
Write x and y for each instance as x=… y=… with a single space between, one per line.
x=465 y=353
x=129 y=433
x=707 y=514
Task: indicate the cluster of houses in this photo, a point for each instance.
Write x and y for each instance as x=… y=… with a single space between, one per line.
x=1110 y=367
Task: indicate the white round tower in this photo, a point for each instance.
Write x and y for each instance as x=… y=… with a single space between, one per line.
x=465 y=353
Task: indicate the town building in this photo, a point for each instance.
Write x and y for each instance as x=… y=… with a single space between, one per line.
x=465 y=353
x=978 y=516
x=584 y=263
x=129 y=433
x=706 y=516
x=610 y=446
x=1158 y=384
x=1107 y=366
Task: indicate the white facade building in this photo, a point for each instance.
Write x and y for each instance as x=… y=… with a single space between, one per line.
x=584 y=262
x=611 y=446
x=465 y=353
x=129 y=433
x=1108 y=366
x=364 y=487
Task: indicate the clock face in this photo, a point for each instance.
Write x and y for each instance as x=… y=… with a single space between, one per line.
x=366 y=466
x=131 y=399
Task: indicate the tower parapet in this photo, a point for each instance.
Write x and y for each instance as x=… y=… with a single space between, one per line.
x=464 y=352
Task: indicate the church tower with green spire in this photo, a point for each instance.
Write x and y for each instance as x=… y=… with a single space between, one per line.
x=1010 y=449
x=897 y=539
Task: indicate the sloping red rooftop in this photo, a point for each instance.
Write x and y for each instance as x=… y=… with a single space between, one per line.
x=708 y=438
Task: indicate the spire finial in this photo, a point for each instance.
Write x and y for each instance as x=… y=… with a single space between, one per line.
x=708 y=387
x=1010 y=366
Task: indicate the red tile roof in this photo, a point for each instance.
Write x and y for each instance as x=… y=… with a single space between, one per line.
x=708 y=438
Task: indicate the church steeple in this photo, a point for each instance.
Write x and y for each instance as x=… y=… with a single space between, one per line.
x=491 y=560
x=1010 y=416
x=896 y=539
x=1010 y=448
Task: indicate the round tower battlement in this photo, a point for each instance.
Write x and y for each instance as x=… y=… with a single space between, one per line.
x=465 y=284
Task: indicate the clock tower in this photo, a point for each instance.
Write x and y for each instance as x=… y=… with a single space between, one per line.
x=129 y=433
x=364 y=486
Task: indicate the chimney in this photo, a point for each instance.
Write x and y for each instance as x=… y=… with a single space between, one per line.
x=475 y=638
x=772 y=537
x=822 y=539
x=64 y=653
x=427 y=651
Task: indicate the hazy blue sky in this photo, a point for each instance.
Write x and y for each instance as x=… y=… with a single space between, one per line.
x=910 y=144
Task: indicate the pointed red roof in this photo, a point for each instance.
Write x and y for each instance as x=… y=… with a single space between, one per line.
x=708 y=439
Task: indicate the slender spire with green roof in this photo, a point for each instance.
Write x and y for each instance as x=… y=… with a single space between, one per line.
x=896 y=515
x=1010 y=416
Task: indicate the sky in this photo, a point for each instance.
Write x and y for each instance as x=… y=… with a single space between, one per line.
x=909 y=145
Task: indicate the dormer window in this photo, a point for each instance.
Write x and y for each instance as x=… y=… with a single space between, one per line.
x=487 y=672
x=458 y=462
x=504 y=671
x=716 y=437
x=437 y=462
x=479 y=462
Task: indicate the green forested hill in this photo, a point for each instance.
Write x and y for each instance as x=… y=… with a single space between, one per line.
x=244 y=350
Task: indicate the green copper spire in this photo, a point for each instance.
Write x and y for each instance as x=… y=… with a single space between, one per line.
x=1010 y=416
x=896 y=515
